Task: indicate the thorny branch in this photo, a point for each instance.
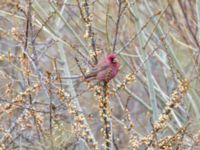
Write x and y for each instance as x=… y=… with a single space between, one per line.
x=87 y=18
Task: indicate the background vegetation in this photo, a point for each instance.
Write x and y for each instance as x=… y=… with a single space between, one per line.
x=153 y=103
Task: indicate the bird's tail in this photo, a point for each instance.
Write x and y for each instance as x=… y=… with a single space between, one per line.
x=78 y=79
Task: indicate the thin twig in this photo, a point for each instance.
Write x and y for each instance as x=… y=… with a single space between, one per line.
x=120 y=12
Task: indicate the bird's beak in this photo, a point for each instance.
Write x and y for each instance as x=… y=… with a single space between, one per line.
x=115 y=60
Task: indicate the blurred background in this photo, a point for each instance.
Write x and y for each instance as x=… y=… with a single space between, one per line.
x=45 y=42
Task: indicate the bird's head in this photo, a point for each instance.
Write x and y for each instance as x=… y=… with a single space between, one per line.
x=112 y=59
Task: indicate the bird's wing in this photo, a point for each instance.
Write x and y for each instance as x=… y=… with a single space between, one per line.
x=96 y=70
x=100 y=68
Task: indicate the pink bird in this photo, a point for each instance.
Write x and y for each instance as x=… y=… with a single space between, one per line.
x=105 y=70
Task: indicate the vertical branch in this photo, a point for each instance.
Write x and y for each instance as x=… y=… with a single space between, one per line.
x=29 y=28
x=120 y=12
x=106 y=117
x=90 y=31
x=28 y=16
x=87 y=18
x=50 y=110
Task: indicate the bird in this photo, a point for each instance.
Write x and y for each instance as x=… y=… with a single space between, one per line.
x=105 y=70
